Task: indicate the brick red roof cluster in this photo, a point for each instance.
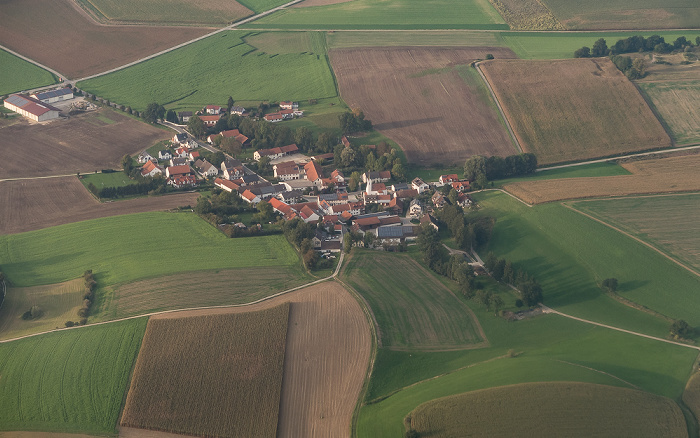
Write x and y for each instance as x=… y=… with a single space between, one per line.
x=313 y=171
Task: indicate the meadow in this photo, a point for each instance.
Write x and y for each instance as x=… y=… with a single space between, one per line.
x=259 y=6
x=232 y=68
x=676 y=102
x=16 y=74
x=560 y=409
x=668 y=222
x=455 y=38
x=387 y=14
x=57 y=303
x=109 y=179
x=69 y=381
x=571 y=110
x=594 y=170
x=411 y=312
x=570 y=255
x=125 y=248
x=691 y=395
x=216 y=375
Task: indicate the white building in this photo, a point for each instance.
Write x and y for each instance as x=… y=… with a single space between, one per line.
x=31 y=108
x=54 y=95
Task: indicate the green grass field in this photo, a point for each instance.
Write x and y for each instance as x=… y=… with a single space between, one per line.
x=570 y=254
x=57 y=304
x=208 y=71
x=412 y=310
x=111 y=179
x=544 y=45
x=583 y=171
x=70 y=381
x=259 y=6
x=667 y=222
x=387 y=14
x=16 y=74
x=468 y=38
x=560 y=409
x=130 y=247
x=675 y=102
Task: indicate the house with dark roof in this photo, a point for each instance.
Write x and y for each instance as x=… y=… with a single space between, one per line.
x=290 y=196
x=238 y=110
x=429 y=219
x=180 y=138
x=376 y=177
x=164 y=155
x=205 y=168
x=184 y=116
x=250 y=197
x=54 y=95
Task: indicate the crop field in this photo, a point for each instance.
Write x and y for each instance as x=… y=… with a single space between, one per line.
x=259 y=6
x=411 y=311
x=78 y=46
x=662 y=175
x=676 y=103
x=165 y=12
x=455 y=38
x=387 y=14
x=308 y=3
x=669 y=222
x=451 y=113
x=213 y=375
x=70 y=381
x=571 y=254
x=231 y=66
x=287 y=42
x=43 y=203
x=527 y=15
x=573 y=109
x=691 y=395
x=84 y=143
x=138 y=248
x=326 y=359
x=561 y=409
x=220 y=287
x=620 y=14
x=16 y=74
x=57 y=303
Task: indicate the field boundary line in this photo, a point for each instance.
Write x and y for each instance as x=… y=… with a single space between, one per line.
x=500 y=109
x=162 y=312
x=601 y=372
x=506 y=192
x=648 y=245
x=36 y=177
x=546 y=309
x=37 y=63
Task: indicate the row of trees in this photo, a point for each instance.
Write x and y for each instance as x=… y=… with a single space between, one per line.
x=222 y=210
x=88 y=298
x=478 y=170
x=634 y=44
x=468 y=232
x=502 y=270
x=145 y=186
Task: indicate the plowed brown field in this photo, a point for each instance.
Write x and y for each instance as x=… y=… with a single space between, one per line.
x=40 y=203
x=426 y=99
x=56 y=34
x=328 y=347
x=83 y=143
x=573 y=109
x=665 y=175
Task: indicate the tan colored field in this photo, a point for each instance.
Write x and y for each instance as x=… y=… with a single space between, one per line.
x=677 y=104
x=210 y=375
x=428 y=100
x=676 y=71
x=328 y=347
x=573 y=109
x=43 y=203
x=691 y=395
x=57 y=34
x=526 y=15
x=569 y=409
x=58 y=303
x=662 y=175
x=83 y=143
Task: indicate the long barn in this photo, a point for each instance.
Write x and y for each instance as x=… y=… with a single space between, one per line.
x=31 y=108
x=54 y=95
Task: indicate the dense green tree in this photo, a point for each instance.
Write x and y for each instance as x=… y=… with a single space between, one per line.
x=303 y=137
x=154 y=112
x=474 y=167
x=354 y=181
x=196 y=127
x=610 y=285
x=229 y=104
x=583 y=52
x=680 y=329
x=347 y=157
x=171 y=116
x=600 y=48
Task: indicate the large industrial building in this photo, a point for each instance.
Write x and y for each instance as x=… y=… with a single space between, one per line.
x=31 y=108
x=54 y=95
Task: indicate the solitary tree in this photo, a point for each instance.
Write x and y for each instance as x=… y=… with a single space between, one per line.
x=610 y=284
x=600 y=48
x=680 y=329
x=229 y=105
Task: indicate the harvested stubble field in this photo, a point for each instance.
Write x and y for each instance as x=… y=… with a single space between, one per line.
x=58 y=34
x=425 y=99
x=47 y=202
x=691 y=395
x=574 y=109
x=561 y=408
x=211 y=375
x=412 y=311
x=16 y=74
x=677 y=104
x=84 y=143
x=527 y=15
x=662 y=175
x=326 y=359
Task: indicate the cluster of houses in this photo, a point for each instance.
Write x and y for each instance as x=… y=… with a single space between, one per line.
x=211 y=114
x=288 y=110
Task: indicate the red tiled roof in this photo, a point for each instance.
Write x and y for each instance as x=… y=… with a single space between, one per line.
x=148 y=167
x=324 y=156
x=385 y=174
x=332 y=218
x=226 y=183
x=345 y=141
x=378 y=187
x=289 y=148
x=306 y=212
x=390 y=220
x=341 y=208
x=336 y=173
x=213 y=118
x=346 y=215
x=179 y=170
x=213 y=107
x=248 y=195
x=313 y=171
x=367 y=221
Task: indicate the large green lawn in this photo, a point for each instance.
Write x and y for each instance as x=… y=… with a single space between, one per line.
x=208 y=71
x=16 y=74
x=130 y=247
x=70 y=381
x=388 y=14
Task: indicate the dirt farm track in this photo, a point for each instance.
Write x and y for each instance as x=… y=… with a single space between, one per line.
x=42 y=203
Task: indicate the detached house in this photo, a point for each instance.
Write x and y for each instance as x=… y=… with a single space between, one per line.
x=164 y=155
x=205 y=168
x=274 y=153
x=314 y=173
x=439 y=200
x=213 y=109
x=375 y=177
x=419 y=185
x=227 y=185
x=151 y=169
x=179 y=138
x=289 y=105
x=210 y=121
x=184 y=116
x=448 y=179
x=250 y=197
x=178 y=170
x=144 y=156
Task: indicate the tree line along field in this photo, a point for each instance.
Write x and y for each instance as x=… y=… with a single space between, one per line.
x=16 y=74
x=387 y=14
x=409 y=310
x=70 y=381
x=551 y=409
x=661 y=175
x=452 y=115
x=571 y=254
x=574 y=109
x=233 y=68
x=216 y=375
x=139 y=247
x=43 y=203
x=59 y=35
x=668 y=222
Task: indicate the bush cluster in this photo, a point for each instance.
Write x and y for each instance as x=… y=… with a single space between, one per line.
x=89 y=295
x=502 y=270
